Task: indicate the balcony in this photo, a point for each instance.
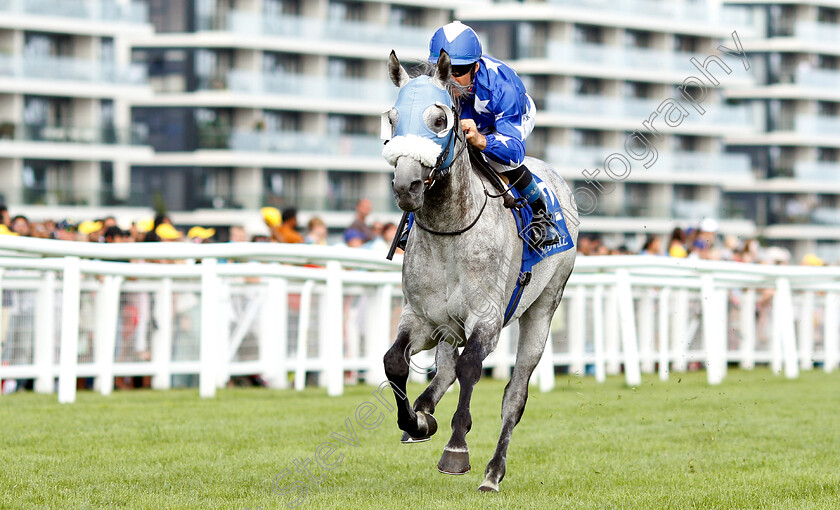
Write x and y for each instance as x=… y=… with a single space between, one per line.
x=71 y=69
x=699 y=163
x=617 y=57
x=136 y=135
x=818 y=78
x=635 y=110
x=817 y=125
x=290 y=142
x=817 y=171
x=379 y=91
x=313 y=29
x=96 y=10
x=817 y=32
x=688 y=12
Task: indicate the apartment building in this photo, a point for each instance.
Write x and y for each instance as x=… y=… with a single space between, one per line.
x=795 y=54
x=66 y=81
x=273 y=103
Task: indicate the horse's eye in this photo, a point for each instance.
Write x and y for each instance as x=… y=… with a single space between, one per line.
x=439 y=123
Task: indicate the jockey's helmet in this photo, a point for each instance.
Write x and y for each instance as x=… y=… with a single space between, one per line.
x=459 y=40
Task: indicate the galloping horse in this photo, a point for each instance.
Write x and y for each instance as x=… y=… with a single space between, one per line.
x=457 y=286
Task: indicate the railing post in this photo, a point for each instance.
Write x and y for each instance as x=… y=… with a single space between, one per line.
x=545 y=367
x=664 y=323
x=502 y=353
x=69 y=331
x=108 y=308
x=274 y=333
x=44 y=349
x=162 y=339
x=627 y=317
x=598 y=332
x=210 y=334
x=713 y=344
x=679 y=328
x=806 y=331
x=577 y=332
x=646 y=318
x=303 y=334
x=776 y=359
x=223 y=321
x=334 y=322
x=380 y=335
x=612 y=333
x=831 y=333
x=788 y=328
x=2 y=331
x=748 y=319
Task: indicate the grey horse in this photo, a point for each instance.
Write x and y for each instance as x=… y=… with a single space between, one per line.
x=457 y=287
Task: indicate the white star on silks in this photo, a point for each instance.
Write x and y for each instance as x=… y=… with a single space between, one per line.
x=521 y=129
x=493 y=66
x=502 y=139
x=500 y=115
x=481 y=106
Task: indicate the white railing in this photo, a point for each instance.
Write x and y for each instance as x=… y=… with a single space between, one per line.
x=66 y=316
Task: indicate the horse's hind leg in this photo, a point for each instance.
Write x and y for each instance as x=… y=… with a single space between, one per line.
x=534 y=325
x=396 y=369
x=445 y=358
x=456 y=457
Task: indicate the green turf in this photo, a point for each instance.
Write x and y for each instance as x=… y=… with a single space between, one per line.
x=756 y=441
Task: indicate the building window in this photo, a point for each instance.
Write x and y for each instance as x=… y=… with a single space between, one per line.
x=588 y=86
x=588 y=34
x=406 y=16
x=587 y=138
x=282 y=188
x=344 y=189
x=346 y=11
x=281 y=7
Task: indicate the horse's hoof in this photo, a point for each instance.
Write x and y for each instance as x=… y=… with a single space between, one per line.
x=407 y=439
x=454 y=462
x=426 y=424
x=487 y=487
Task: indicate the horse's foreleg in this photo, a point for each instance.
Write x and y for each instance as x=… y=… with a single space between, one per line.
x=533 y=334
x=396 y=369
x=456 y=457
x=426 y=403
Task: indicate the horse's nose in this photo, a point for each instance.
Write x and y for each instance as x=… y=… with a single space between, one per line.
x=413 y=188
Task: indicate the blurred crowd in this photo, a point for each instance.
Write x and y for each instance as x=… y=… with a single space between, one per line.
x=702 y=241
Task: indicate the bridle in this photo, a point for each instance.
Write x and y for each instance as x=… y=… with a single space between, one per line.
x=439 y=172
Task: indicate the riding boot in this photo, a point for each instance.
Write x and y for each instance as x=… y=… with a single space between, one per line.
x=541 y=231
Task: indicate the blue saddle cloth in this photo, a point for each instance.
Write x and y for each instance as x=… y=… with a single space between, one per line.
x=530 y=254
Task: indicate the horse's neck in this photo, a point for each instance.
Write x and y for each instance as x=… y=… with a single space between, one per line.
x=455 y=200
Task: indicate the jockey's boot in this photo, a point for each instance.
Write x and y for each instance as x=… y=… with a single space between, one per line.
x=541 y=231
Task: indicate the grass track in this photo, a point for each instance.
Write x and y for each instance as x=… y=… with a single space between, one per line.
x=756 y=441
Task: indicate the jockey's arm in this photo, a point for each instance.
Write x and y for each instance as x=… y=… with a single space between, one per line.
x=504 y=143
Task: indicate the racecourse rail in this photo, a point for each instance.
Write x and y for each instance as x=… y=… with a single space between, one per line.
x=288 y=312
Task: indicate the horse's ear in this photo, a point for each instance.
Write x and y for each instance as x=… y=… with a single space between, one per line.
x=444 y=68
x=398 y=75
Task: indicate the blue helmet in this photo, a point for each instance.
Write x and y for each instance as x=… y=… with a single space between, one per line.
x=459 y=40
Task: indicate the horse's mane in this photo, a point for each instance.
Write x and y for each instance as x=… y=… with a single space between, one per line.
x=423 y=68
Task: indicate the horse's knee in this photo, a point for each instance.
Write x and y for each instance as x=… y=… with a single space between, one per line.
x=395 y=359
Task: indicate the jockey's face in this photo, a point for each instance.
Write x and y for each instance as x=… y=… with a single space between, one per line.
x=466 y=78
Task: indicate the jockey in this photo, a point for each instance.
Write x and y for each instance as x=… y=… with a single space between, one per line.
x=497 y=116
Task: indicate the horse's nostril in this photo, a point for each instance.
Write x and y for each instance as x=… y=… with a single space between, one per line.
x=416 y=187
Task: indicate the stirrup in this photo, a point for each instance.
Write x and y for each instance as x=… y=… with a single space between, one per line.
x=543 y=233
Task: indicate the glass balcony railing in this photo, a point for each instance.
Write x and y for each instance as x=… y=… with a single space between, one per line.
x=818 y=78
x=589 y=158
x=312 y=29
x=101 y=10
x=136 y=135
x=694 y=12
x=634 y=108
x=380 y=91
x=817 y=125
x=71 y=69
x=616 y=57
x=289 y=142
x=41 y=194
x=817 y=171
x=819 y=32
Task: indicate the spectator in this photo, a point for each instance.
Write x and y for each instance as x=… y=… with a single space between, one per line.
x=389 y=231
x=354 y=238
x=316 y=232
x=676 y=246
x=653 y=246
x=201 y=235
x=4 y=231
x=20 y=225
x=287 y=231
x=115 y=235
x=5 y=219
x=359 y=226
x=167 y=233
x=238 y=235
